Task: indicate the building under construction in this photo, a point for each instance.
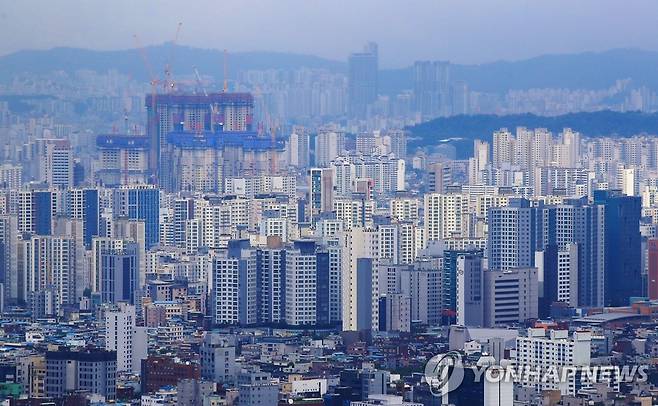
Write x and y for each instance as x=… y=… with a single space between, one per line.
x=200 y=161
x=193 y=114
x=122 y=160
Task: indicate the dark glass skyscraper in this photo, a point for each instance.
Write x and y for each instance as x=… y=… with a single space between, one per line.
x=449 y=281
x=363 y=83
x=577 y=221
x=119 y=274
x=91 y=215
x=322 y=311
x=623 y=242
x=141 y=203
x=43 y=219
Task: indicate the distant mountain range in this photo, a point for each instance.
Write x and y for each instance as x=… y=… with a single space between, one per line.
x=590 y=70
x=460 y=131
x=130 y=61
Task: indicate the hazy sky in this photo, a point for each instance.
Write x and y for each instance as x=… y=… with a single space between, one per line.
x=462 y=31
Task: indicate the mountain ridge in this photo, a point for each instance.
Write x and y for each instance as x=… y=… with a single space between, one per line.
x=587 y=70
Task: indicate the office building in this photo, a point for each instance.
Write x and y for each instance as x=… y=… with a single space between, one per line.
x=452 y=259
x=140 y=202
x=363 y=80
x=469 y=295
x=623 y=271
x=439 y=177
x=513 y=235
x=475 y=389
x=258 y=394
x=578 y=222
x=510 y=297
x=652 y=267
x=559 y=276
x=359 y=289
x=84 y=204
x=93 y=371
x=31 y=374
x=119 y=274
x=8 y=257
x=194 y=392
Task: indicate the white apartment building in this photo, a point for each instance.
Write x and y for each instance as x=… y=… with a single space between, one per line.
x=301 y=274
x=541 y=351
x=405 y=209
x=356 y=243
x=122 y=335
x=445 y=216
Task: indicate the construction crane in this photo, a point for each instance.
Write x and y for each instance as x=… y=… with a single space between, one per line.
x=125 y=121
x=154 y=81
x=199 y=82
x=126 y=166
x=225 y=70
x=169 y=84
x=273 y=151
x=127 y=105
x=205 y=93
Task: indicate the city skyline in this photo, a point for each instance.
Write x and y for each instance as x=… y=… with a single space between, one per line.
x=185 y=227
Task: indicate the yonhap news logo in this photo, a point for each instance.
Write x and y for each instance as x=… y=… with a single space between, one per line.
x=445 y=373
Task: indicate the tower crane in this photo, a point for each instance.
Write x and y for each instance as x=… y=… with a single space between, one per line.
x=273 y=151
x=169 y=84
x=225 y=70
x=205 y=93
x=154 y=81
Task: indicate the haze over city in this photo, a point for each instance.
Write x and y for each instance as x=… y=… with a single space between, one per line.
x=461 y=31
x=329 y=203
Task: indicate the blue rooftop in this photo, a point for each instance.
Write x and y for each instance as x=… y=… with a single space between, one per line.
x=218 y=140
